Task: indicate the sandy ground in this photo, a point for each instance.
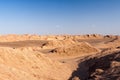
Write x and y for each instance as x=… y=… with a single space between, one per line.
x=59 y=57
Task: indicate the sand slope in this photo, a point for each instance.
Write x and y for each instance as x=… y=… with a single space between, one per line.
x=19 y=65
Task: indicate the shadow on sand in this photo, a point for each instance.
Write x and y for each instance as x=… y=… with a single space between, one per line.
x=90 y=64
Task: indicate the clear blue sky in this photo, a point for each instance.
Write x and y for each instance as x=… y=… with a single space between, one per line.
x=59 y=16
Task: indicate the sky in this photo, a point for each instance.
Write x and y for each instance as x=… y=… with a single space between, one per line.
x=60 y=17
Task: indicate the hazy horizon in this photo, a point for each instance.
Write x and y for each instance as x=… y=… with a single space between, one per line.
x=59 y=17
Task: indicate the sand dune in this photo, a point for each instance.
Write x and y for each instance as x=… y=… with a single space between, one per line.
x=76 y=49
x=17 y=65
x=59 y=57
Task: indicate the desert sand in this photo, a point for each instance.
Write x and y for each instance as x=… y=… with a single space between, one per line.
x=59 y=57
